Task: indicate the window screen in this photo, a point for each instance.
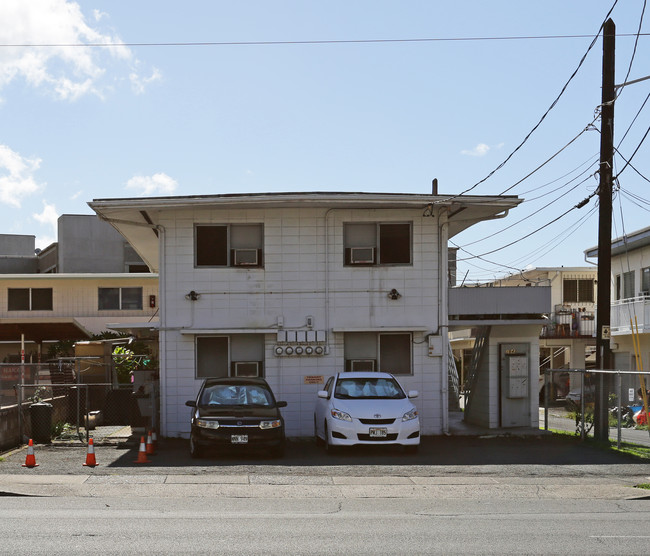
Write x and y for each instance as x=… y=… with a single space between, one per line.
x=211 y=356
x=18 y=299
x=395 y=353
x=211 y=246
x=29 y=299
x=41 y=299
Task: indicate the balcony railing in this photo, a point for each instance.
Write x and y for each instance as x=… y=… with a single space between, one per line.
x=570 y=323
x=630 y=312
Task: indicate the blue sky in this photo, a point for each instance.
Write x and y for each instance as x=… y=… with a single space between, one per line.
x=78 y=123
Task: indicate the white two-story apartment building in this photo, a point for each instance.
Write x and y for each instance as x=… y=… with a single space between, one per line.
x=298 y=286
x=630 y=295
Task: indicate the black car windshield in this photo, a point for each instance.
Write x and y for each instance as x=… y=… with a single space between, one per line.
x=236 y=394
x=368 y=388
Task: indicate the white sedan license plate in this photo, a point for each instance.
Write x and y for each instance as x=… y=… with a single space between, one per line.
x=239 y=438
x=378 y=432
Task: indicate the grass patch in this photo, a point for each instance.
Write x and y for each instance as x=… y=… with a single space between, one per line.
x=643 y=485
x=636 y=450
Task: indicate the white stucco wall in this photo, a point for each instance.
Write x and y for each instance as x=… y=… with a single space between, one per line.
x=303 y=275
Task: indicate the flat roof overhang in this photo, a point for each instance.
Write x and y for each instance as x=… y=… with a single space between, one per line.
x=139 y=219
x=42 y=330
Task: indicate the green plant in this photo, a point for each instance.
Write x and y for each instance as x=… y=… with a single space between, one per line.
x=39 y=394
x=58 y=428
x=646 y=486
x=62 y=348
x=135 y=358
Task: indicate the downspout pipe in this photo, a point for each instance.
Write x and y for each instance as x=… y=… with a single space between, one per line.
x=162 y=331
x=443 y=314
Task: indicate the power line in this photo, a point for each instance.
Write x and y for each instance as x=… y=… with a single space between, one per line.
x=579 y=205
x=539 y=210
x=305 y=42
x=587 y=128
x=541 y=120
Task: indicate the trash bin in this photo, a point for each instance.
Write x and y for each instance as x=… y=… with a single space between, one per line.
x=41 y=417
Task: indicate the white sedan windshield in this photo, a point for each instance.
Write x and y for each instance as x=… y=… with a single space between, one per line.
x=368 y=388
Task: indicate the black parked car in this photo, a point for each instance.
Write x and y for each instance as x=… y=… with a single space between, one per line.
x=236 y=412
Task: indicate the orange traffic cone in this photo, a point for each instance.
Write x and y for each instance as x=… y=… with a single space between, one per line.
x=142 y=453
x=30 y=460
x=154 y=439
x=149 y=448
x=90 y=456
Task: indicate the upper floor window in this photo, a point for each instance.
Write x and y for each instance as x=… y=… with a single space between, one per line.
x=29 y=299
x=229 y=245
x=116 y=299
x=372 y=243
x=645 y=281
x=578 y=290
x=625 y=286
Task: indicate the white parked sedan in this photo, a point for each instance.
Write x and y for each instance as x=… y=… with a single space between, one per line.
x=366 y=408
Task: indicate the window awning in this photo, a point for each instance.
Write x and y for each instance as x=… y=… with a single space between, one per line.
x=42 y=329
x=198 y=331
x=383 y=329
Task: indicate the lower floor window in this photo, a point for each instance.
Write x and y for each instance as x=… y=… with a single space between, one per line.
x=234 y=355
x=385 y=351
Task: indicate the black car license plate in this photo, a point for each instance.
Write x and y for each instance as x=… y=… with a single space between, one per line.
x=239 y=438
x=378 y=432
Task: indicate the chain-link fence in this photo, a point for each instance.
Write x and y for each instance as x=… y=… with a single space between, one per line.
x=71 y=400
x=568 y=397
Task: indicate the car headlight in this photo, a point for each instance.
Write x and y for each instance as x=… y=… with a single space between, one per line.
x=410 y=415
x=206 y=424
x=341 y=415
x=270 y=424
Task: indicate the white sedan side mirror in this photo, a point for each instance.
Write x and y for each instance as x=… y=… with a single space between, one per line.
x=322 y=394
x=413 y=393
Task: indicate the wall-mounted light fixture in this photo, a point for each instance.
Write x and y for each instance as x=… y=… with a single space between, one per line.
x=192 y=296
x=394 y=294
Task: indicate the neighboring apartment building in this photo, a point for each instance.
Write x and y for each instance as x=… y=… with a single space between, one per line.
x=298 y=286
x=87 y=244
x=46 y=308
x=568 y=339
x=630 y=294
x=81 y=285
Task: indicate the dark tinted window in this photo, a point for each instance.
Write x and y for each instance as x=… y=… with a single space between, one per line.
x=211 y=245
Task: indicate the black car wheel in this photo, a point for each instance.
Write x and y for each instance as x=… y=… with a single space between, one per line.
x=329 y=448
x=317 y=438
x=278 y=451
x=196 y=451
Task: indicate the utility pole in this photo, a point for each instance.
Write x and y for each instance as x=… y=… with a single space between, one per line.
x=603 y=353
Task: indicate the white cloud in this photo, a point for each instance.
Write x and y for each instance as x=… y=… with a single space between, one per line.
x=17 y=176
x=49 y=216
x=76 y=195
x=67 y=72
x=480 y=150
x=138 y=83
x=158 y=184
x=98 y=15
x=43 y=241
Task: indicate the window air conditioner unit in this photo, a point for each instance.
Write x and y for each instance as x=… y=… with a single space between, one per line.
x=362 y=365
x=247 y=368
x=245 y=257
x=362 y=255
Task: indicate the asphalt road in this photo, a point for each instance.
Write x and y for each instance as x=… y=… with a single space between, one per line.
x=538 y=494
x=436 y=455
x=370 y=525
